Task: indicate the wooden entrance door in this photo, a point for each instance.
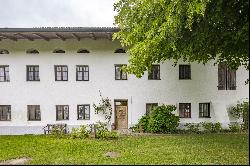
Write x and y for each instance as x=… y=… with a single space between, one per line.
x=121 y=117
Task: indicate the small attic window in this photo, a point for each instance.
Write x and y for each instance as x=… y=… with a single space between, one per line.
x=83 y=51
x=32 y=51
x=3 y=51
x=58 y=51
x=120 y=50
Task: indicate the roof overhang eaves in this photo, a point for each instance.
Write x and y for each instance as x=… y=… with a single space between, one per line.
x=62 y=29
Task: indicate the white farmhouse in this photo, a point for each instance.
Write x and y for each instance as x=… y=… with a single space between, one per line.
x=54 y=75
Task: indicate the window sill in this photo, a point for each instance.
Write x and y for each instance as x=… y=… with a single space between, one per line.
x=83 y=119
x=205 y=117
x=34 y=120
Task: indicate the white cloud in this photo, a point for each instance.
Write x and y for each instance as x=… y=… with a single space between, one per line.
x=61 y=13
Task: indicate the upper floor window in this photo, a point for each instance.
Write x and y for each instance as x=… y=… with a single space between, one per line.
x=83 y=51
x=226 y=77
x=185 y=110
x=150 y=106
x=184 y=72
x=83 y=112
x=58 y=51
x=119 y=73
x=3 y=51
x=4 y=73
x=33 y=73
x=32 y=51
x=62 y=112
x=34 y=113
x=5 y=112
x=204 y=110
x=61 y=73
x=154 y=73
x=120 y=50
x=82 y=73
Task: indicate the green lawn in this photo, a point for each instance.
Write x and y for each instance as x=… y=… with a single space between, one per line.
x=170 y=149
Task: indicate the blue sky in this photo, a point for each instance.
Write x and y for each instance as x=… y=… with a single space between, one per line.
x=56 y=13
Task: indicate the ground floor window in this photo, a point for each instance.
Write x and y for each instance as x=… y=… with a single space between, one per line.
x=62 y=112
x=185 y=110
x=150 y=106
x=5 y=112
x=34 y=112
x=204 y=110
x=83 y=112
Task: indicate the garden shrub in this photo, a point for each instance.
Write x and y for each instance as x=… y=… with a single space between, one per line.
x=241 y=111
x=57 y=131
x=207 y=126
x=235 y=127
x=81 y=133
x=142 y=124
x=113 y=135
x=217 y=127
x=161 y=119
x=74 y=133
x=192 y=127
x=102 y=131
x=210 y=127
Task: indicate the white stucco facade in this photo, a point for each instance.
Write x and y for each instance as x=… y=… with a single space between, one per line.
x=101 y=60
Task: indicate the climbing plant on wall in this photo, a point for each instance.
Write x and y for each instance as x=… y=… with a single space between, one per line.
x=104 y=107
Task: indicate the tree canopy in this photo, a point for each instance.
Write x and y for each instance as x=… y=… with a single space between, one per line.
x=192 y=30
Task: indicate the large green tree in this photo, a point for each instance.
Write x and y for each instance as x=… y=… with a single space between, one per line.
x=192 y=30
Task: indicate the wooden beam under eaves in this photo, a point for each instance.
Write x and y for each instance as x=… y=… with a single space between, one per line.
x=60 y=37
x=41 y=36
x=76 y=36
x=24 y=36
x=92 y=36
x=8 y=37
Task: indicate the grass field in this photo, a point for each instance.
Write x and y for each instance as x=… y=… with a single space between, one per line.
x=170 y=149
